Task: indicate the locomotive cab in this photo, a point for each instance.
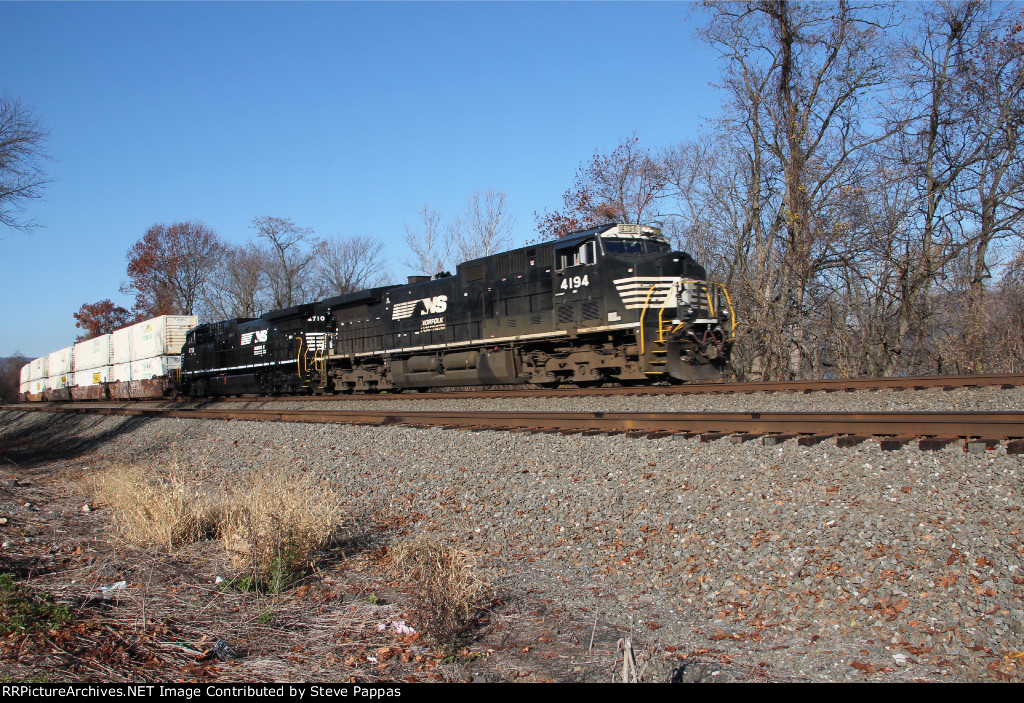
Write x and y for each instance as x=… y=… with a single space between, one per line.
x=686 y=324
x=622 y=286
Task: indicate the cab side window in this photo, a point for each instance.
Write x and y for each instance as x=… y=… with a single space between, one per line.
x=582 y=254
x=588 y=252
x=564 y=258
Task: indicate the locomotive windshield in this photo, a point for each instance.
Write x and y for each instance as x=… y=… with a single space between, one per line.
x=634 y=246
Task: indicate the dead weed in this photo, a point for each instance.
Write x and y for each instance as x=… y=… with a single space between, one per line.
x=446 y=585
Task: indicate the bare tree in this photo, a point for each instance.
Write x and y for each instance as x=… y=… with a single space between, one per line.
x=960 y=110
x=1005 y=313
x=992 y=197
x=239 y=288
x=23 y=175
x=430 y=250
x=350 y=264
x=485 y=229
x=932 y=151
x=800 y=79
x=292 y=253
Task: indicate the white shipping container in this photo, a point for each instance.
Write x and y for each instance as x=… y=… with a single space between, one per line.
x=61 y=362
x=155 y=367
x=37 y=386
x=121 y=372
x=38 y=369
x=25 y=370
x=64 y=380
x=121 y=346
x=160 y=336
x=92 y=377
x=92 y=353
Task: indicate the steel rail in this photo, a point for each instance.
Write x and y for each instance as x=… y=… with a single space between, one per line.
x=827 y=386
x=989 y=425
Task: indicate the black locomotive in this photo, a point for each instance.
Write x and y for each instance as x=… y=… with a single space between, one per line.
x=611 y=303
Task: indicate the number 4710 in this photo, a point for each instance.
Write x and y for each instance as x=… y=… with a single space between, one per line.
x=574 y=282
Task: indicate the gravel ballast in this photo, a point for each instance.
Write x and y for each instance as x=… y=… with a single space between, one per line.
x=990 y=399
x=806 y=563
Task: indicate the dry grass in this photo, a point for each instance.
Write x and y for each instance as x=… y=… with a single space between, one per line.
x=279 y=522
x=166 y=508
x=446 y=586
x=272 y=526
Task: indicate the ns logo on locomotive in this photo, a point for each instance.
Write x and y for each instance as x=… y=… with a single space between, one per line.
x=610 y=303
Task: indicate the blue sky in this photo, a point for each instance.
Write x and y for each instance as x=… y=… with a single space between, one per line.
x=345 y=117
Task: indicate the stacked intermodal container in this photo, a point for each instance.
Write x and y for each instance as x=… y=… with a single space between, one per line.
x=23 y=382
x=92 y=368
x=146 y=356
x=137 y=361
x=60 y=373
x=37 y=369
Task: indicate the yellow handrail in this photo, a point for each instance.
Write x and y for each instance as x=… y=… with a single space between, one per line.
x=319 y=362
x=643 y=312
x=661 y=318
x=732 y=313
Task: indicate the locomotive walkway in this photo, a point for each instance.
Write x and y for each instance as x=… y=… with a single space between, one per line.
x=931 y=430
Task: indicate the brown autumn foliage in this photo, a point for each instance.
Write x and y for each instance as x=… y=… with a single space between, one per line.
x=100 y=318
x=618 y=187
x=168 y=267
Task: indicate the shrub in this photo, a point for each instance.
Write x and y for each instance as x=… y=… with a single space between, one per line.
x=445 y=584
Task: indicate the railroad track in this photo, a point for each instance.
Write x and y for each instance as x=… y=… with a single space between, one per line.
x=977 y=431
x=827 y=386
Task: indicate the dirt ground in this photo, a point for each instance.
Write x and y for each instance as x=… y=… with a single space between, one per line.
x=171 y=621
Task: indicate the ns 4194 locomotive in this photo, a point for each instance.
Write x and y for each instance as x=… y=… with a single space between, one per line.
x=608 y=304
